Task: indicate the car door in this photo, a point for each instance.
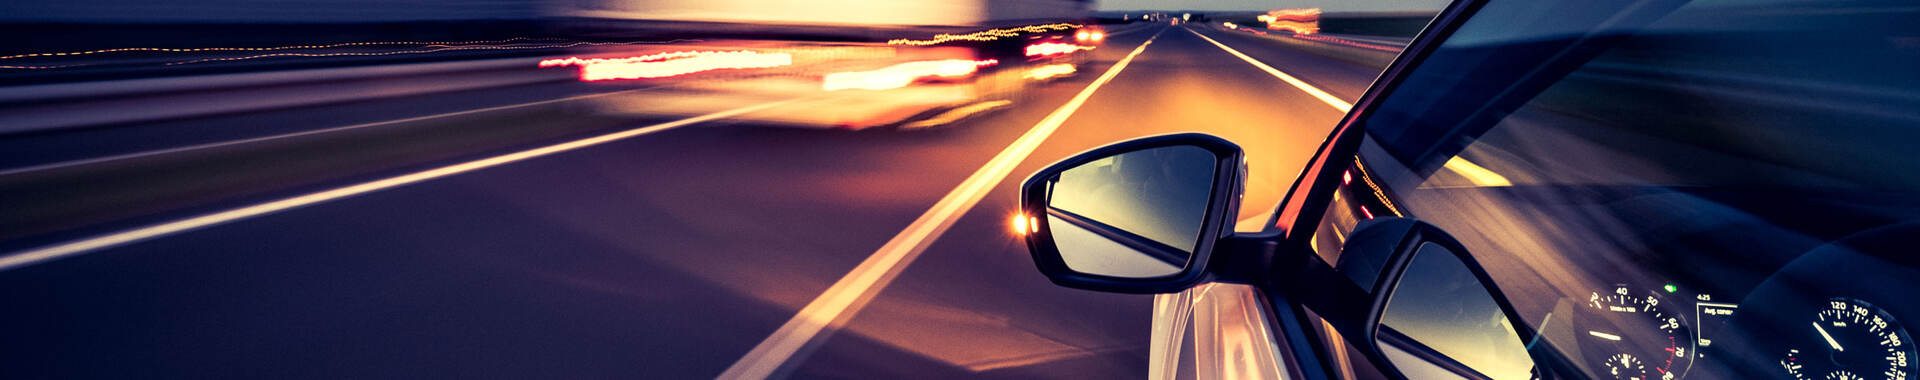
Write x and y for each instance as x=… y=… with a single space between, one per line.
x=1652 y=189
x=1673 y=189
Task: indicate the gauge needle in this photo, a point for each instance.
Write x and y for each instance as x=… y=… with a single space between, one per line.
x=1830 y=341
x=1602 y=335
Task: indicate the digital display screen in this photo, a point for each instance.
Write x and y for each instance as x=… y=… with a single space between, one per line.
x=1712 y=319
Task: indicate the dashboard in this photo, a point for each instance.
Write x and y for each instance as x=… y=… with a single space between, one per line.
x=1839 y=312
x=1708 y=281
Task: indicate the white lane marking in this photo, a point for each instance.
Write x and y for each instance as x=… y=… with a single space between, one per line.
x=37 y=255
x=1316 y=92
x=848 y=295
x=63 y=164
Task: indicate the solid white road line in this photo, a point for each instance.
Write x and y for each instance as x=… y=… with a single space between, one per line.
x=37 y=255
x=1317 y=93
x=63 y=164
x=848 y=295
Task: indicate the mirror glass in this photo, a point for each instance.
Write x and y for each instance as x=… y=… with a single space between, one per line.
x=1136 y=214
x=1441 y=319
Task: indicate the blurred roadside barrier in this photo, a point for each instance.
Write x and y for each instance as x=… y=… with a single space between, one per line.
x=106 y=103
x=1366 y=51
x=58 y=106
x=45 y=107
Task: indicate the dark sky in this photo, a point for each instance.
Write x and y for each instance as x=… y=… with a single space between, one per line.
x=1325 y=5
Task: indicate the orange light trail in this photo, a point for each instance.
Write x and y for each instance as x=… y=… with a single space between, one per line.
x=984 y=35
x=1293 y=27
x=1346 y=42
x=1250 y=30
x=1051 y=71
x=901 y=75
x=669 y=64
x=432 y=47
x=1297 y=20
x=1053 y=48
x=577 y=61
x=292 y=47
x=377 y=53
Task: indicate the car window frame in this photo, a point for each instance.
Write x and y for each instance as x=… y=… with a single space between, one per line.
x=1309 y=200
x=1305 y=202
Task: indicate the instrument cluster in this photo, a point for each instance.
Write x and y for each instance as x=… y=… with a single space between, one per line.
x=1836 y=314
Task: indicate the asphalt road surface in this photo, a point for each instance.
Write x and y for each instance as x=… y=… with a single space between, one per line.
x=568 y=243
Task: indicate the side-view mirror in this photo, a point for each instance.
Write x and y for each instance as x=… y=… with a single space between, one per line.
x=1140 y=216
x=1435 y=313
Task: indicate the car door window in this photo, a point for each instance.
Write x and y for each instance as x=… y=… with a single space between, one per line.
x=1668 y=189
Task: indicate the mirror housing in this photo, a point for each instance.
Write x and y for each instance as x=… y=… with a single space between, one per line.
x=1385 y=254
x=1215 y=221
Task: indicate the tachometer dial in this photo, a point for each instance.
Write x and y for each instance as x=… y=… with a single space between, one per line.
x=1624 y=366
x=1642 y=337
x=1851 y=339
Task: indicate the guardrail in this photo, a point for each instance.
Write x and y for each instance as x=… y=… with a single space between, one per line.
x=46 y=107
x=1361 y=50
x=106 y=103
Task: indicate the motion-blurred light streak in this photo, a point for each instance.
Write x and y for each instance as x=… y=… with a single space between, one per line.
x=1053 y=48
x=984 y=35
x=1250 y=30
x=669 y=64
x=292 y=47
x=1346 y=42
x=383 y=53
x=901 y=75
x=1051 y=71
x=428 y=47
x=1296 y=20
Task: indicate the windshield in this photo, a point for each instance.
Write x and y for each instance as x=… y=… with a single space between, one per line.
x=1669 y=189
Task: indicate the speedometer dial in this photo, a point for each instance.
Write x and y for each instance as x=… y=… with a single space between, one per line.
x=1640 y=336
x=1852 y=339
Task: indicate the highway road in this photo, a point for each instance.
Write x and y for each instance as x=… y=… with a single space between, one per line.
x=537 y=231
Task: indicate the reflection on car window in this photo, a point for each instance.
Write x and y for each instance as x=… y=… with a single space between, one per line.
x=1440 y=305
